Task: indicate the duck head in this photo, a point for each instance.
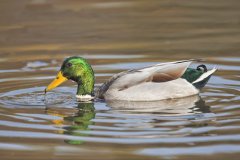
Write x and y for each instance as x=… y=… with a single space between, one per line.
x=78 y=70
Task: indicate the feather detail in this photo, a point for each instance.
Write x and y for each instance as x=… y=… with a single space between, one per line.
x=162 y=72
x=170 y=71
x=157 y=73
x=205 y=75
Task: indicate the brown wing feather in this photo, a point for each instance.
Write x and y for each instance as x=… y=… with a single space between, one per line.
x=169 y=73
x=162 y=77
x=158 y=73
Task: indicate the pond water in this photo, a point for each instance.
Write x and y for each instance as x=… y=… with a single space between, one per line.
x=35 y=37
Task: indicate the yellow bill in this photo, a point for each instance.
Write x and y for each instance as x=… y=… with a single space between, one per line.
x=56 y=82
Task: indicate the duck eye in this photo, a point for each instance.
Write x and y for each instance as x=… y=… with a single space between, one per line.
x=69 y=64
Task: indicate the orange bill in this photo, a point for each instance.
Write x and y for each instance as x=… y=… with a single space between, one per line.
x=56 y=82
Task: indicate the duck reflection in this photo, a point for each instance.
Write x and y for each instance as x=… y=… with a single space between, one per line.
x=181 y=106
x=82 y=119
x=78 y=122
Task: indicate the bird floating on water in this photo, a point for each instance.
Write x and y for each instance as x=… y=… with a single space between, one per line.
x=157 y=82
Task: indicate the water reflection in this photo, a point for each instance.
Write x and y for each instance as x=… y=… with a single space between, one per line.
x=153 y=118
x=114 y=37
x=80 y=121
x=181 y=106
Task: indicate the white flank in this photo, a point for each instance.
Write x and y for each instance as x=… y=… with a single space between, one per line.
x=84 y=98
x=205 y=75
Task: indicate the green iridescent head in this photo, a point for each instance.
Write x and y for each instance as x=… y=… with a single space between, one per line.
x=78 y=70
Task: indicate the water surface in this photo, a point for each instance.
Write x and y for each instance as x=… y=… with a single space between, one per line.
x=36 y=35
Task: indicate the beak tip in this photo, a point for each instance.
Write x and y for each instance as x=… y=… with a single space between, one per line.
x=56 y=82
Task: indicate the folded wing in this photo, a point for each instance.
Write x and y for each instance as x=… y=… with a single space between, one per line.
x=157 y=73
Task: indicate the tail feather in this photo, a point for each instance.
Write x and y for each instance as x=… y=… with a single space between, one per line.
x=203 y=79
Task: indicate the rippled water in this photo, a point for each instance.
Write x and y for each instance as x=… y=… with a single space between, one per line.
x=115 y=36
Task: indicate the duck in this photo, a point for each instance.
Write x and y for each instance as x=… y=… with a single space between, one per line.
x=169 y=80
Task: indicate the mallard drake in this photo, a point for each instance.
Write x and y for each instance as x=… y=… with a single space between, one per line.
x=161 y=81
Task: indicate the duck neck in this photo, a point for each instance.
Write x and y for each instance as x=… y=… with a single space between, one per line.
x=86 y=83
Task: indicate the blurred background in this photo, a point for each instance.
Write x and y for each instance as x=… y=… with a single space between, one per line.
x=35 y=37
x=51 y=30
x=183 y=29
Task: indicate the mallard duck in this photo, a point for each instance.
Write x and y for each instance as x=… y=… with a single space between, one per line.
x=161 y=81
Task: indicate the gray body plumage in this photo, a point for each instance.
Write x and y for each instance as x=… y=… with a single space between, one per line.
x=157 y=82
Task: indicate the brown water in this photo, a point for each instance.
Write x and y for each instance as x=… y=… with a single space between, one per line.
x=36 y=35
